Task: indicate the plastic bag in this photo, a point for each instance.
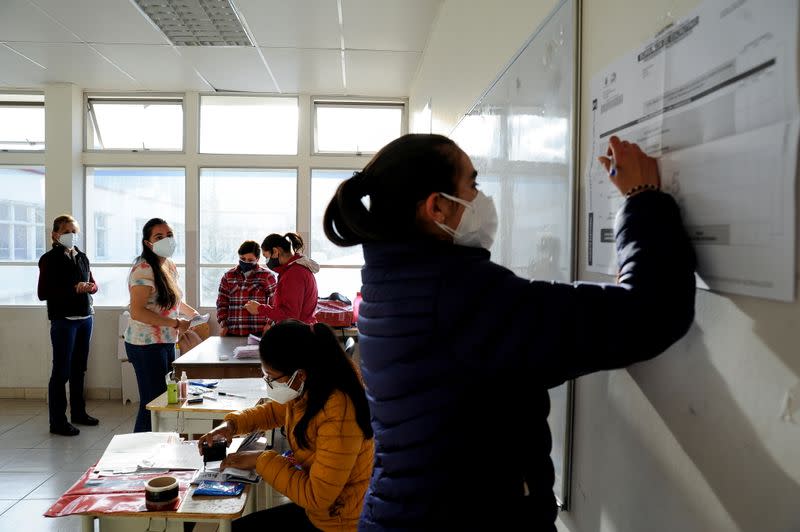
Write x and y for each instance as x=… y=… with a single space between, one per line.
x=219 y=489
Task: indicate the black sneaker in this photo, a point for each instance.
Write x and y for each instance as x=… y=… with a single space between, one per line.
x=67 y=429
x=85 y=419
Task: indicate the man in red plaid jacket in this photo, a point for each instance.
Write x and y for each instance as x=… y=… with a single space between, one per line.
x=247 y=281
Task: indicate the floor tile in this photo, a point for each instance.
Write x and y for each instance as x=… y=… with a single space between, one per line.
x=55 y=486
x=43 y=460
x=5 y=504
x=28 y=515
x=18 y=485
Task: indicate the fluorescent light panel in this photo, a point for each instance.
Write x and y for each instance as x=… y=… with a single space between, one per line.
x=196 y=22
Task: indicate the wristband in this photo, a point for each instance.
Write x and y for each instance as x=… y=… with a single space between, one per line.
x=641 y=188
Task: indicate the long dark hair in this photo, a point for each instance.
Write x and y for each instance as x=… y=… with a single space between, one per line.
x=166 y=290
x=290 y=242
x=399 y=176
x=291 y=345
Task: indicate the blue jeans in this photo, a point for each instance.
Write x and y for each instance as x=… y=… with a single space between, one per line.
x=70 y=340
x=151 y=363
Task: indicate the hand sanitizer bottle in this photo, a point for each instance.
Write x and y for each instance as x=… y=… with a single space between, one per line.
x=183 y=386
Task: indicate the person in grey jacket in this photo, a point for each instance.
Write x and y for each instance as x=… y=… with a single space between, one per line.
x=453 y=345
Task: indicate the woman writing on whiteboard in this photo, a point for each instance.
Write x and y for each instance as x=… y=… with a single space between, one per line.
x=451 y=342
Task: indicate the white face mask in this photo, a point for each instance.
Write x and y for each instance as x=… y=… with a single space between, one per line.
x=478 y=224
x=68 y=240
x=282 y=392
x=165 y=247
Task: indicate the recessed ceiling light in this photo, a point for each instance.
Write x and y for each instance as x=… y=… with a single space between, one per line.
x=196 y=22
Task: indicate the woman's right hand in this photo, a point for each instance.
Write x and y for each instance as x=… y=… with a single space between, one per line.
x=223 y=431
x=635 y=170
x=183 y=325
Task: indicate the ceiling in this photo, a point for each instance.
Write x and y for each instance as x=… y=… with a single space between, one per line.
x=301 y=47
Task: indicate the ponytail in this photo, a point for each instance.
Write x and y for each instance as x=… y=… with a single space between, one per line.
x=290 y=242
x=402 y=174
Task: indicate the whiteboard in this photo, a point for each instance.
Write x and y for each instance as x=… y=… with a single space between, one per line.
x=520 y=135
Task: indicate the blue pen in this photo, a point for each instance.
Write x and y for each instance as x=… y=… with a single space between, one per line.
x=613 y=170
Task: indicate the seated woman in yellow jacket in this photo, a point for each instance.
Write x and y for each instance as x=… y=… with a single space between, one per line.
x=318 y=396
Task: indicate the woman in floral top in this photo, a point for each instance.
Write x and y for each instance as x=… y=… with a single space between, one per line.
x=156 y=308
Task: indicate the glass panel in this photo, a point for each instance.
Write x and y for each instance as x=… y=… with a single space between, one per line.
x=356 y=129
x=323 y=186
x=112 y=283
x=346 y=281
x=144 y=125
x=22 y=236
x=21 y=126
x=209 y=285
x=238 y=205
x=18 y=285
x=133 y=196
x=248 y=124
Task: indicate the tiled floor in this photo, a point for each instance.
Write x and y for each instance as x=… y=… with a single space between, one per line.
x=36 y=467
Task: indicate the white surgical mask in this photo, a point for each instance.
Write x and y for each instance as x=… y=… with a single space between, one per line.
x=165 y=247
x=282 y=392
x=478 y=224
x=68 y=240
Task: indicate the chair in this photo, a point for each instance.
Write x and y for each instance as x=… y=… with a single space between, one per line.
x=350 y=347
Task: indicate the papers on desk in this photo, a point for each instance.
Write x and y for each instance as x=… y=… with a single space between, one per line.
x=245 y=351
x=229 y=474
x=143 y=451
x=126 y=452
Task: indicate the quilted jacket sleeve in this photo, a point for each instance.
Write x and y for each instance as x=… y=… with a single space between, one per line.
x=262 y=417
x=338 y=441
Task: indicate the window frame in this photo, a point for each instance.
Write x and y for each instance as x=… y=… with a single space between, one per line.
x=353 y=102
x=154 y=98
x=22 y=103
x=296 y=97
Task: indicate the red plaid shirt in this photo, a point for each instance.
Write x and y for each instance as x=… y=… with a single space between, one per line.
x=236 y=289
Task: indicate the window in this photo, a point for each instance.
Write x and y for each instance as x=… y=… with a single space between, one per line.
x=134 y=123
x=249 y=125
x=341 y=267
x=119 y=201
x=21 y=122
x=22 y=233
x=356 y=127
x=100 y=235
x=238 y=205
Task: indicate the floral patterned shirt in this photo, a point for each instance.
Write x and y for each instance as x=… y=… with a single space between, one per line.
x=139 y=333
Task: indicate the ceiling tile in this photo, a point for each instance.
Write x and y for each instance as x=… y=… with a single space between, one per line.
x=401 y=25
x=295 y=24
x=76 y=63
x=155 y=67
x=306 y=71
x=230 y=68
x=16 y=71
x=104 y=21
x=380 y=73
x=20 y=21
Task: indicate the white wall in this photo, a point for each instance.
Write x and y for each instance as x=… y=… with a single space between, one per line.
x=693 y=440
x=469 y=45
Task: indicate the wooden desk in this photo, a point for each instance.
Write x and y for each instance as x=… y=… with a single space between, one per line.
x=220 y=510
x=203 y=361
x=199 y=418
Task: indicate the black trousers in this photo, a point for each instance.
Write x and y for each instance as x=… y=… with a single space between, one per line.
x=70 y=340
x=284 y=517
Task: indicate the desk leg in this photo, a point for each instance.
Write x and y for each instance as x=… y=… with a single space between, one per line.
x=224 y=525
x=154 y=418
x=87 y=523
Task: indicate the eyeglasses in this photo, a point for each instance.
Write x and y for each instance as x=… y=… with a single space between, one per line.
x=269 y=380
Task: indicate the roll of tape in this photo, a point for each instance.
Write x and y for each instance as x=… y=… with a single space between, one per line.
x=161 y=493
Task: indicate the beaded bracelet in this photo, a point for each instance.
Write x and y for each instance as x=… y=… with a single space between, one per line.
x=640 y=188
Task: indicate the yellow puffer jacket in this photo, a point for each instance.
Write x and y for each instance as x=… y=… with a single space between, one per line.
x=335 y=469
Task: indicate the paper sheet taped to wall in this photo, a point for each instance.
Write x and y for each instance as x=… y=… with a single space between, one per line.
x=715 y=96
